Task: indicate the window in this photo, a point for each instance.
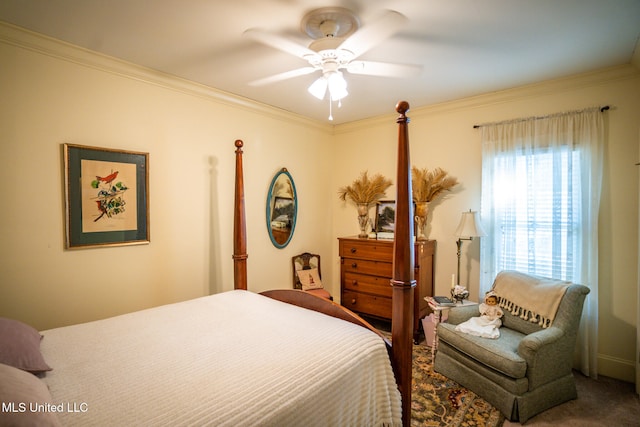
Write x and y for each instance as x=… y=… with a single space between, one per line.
x=541 y=184
x=537 y=209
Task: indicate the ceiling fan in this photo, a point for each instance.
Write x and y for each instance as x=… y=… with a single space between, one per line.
x=338 y=40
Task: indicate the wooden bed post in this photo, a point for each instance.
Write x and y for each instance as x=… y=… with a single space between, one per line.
x=402 y=281
x=239 y=226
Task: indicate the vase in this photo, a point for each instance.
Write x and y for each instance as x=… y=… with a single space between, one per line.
x=363 y=220
x=421 y=213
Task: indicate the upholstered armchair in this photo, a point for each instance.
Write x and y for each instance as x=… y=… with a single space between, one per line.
x=528 y=369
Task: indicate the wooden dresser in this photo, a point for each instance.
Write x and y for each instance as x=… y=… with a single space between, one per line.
x=365 y=274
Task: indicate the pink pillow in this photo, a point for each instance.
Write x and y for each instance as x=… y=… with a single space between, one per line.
x=20 y=346
x=21 y=394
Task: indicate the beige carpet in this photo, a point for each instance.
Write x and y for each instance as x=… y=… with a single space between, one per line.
x=603 y=402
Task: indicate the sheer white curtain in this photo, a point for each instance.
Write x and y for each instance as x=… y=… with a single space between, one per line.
x=541 y=183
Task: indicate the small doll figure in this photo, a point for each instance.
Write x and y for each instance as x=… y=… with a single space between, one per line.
x=488 y=323
x=490 y=308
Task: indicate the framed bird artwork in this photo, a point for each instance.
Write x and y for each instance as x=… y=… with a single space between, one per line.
x=107 y=196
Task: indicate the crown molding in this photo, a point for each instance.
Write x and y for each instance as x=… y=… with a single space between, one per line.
x=25 y=39
x=36 y=42
x=563 y=84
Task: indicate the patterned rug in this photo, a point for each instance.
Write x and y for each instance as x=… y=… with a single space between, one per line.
x=439 y=401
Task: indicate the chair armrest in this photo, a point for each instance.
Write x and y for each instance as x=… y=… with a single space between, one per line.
x=462 y=313
x=533 y=343
x=548 y=353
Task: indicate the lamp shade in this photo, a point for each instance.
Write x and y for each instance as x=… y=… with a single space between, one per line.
x=337 y=86
x=318 y=88
x=332 y=80
x=469 y=226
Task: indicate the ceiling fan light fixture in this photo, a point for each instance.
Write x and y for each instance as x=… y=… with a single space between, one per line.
x=337 y=86
x=318 y=88
x=337 y=40
x=333 y=81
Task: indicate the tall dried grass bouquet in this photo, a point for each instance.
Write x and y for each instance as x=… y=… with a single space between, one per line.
x=428 y=185
x=365 y=190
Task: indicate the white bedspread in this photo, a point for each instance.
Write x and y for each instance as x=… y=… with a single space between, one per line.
x=232 y=359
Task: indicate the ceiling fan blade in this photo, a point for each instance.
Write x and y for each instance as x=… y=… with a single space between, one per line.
x=279 y=42
x=373 y=33
x=283 y=76
x=383 y=69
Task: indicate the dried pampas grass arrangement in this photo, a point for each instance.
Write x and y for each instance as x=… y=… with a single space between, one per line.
x=429 y=185
x=365 y=190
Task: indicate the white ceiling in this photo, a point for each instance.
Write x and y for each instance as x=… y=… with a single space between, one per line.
x=466 y=47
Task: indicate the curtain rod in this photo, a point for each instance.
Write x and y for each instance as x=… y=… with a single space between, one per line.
x=602 y=109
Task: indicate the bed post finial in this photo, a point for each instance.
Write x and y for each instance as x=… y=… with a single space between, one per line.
x=239 y=225
x=403 y=282
x=402 y=107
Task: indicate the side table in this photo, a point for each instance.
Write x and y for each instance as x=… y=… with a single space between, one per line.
x=437 y=310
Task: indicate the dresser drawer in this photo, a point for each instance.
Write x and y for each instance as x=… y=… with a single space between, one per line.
x=369 y=284
x=366 y=267
x=363 y=266
x=367 y=304
x=367 y=249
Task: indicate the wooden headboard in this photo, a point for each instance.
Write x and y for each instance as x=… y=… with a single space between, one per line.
x=403 y=273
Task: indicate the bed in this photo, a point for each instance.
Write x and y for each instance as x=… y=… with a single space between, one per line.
x=279 y=358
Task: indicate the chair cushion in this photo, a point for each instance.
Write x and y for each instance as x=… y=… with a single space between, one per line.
x=320 y=292
x=517 y=323
x=500 y=354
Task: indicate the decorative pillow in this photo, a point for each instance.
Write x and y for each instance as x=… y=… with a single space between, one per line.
x=310 y=279
x=20 y=346
x=25 y=398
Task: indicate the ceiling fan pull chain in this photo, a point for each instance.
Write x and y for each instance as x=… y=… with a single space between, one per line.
x=330 y=109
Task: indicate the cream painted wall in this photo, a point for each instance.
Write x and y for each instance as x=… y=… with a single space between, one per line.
x=55 y=94
x=443 y=135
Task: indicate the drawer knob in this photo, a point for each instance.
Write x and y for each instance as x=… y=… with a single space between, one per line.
x=353 y=301
x=354 y=265
x=354 y=283
x=353 y=250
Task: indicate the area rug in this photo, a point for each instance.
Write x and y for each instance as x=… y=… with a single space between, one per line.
x=439 y=401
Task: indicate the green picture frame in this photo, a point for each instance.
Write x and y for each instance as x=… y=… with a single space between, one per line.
x=106 y=197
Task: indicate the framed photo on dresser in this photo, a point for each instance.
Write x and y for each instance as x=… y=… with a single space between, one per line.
x=385 y=217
